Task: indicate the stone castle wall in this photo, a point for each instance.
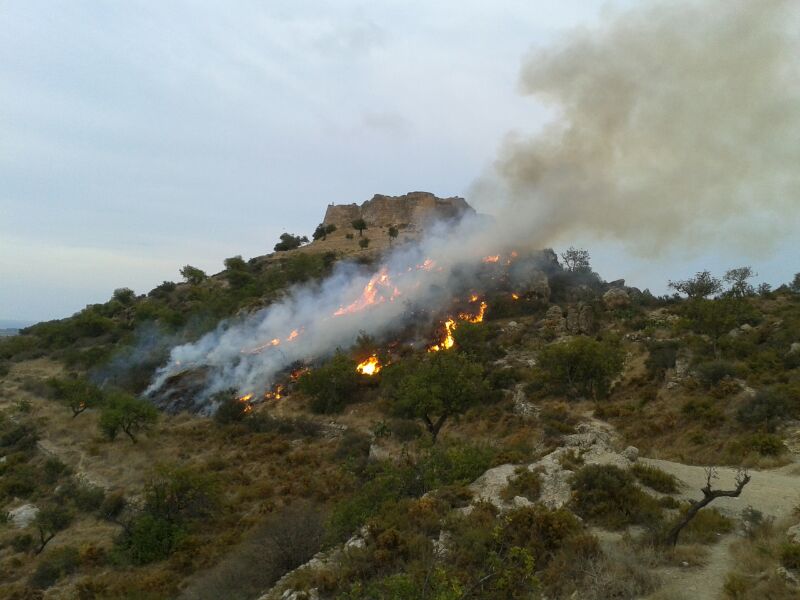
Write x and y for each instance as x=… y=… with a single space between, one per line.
x=413 y=208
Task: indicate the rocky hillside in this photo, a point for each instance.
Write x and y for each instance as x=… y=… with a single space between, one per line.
x=542 y=439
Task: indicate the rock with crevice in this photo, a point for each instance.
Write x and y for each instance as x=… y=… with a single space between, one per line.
x=616 y=297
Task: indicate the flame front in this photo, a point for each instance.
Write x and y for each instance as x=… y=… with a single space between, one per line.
x=514 y=296
x=369 y=366
x=448 y=341
x=371 y=295
x=491 y=259
x=246 y=401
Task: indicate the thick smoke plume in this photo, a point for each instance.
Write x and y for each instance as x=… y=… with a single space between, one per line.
x=677 y=127
x=675 y=123
x=313 y=320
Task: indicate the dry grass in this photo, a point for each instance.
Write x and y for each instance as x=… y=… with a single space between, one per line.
x=756 y=560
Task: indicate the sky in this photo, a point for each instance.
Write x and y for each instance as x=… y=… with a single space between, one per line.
x=138 y=137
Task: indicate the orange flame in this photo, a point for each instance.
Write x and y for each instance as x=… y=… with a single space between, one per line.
x=276 y=393
x=448 y=341
x=369 y=366
x=370 y=295
x=292 y=335
x=491 y=259
x=246 y=401
x=514 y=296
x=298 y=373
x=474 y=318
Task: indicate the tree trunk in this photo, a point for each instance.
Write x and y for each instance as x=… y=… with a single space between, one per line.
x=709 y=496
x=434 y=428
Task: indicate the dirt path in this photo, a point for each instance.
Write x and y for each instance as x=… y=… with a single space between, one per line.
x=700 y=583
x=775 y=492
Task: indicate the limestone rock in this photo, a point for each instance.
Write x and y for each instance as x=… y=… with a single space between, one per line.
x=554 y=320
x=23 y=516
x=794 y=348
x=377 y=452
x=793 y=533
x=615 y=298
x=631 y=453
x=580 y=319
x=415 y=208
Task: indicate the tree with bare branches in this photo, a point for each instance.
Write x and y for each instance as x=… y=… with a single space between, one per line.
x=709 y=495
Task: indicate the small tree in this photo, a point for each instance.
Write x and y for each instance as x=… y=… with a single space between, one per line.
x=77 y=394
x=576 y=260
x=322 y=231
x=709 y=495
x=582 y=366
x=193 y=275
x=49 y=521
x=123 y=412
x=435 y=388
x=363 y=243
x=124 y=296
x=702 y=285
x=715 y=318
x=331 y=386
x=235 y=263
x=360 y=225
x=738 y=282
x=290 y=242
x=795 y=285
x=393 y=233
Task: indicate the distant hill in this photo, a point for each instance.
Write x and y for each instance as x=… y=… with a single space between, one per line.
x=7 y=332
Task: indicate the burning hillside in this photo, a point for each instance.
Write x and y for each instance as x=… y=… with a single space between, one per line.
x=416 y=298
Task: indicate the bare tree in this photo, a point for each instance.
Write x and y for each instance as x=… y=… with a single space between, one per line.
x=709 y=495
x=737 y=279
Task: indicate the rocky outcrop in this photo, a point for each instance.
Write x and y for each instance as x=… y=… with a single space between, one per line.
x=616 y=297
x=554 y=321
x=23 y=516
x=593 y=443
x=580 y=319
x=414 y=208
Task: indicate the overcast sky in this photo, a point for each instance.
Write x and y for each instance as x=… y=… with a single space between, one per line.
x=137 y=137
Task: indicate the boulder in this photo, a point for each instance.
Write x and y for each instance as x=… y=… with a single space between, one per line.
x=631 y=453
x=794 y=348
x=580 y=319
x=615 y=298
x=554 y=320
x=23 y=516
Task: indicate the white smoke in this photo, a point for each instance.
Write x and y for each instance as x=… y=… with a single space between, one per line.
x=240 y=354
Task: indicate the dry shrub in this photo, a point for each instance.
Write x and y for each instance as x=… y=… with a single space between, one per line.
x=525 y=483
x=655 y=478
x=623 y=571
x=281 y=543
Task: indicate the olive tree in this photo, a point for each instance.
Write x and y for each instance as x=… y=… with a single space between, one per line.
x=126 y=413
x=193 y=275
x=434 y=388
x=360 y=225
x=702 y=285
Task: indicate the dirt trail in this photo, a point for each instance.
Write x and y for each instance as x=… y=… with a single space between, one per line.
x=774 y=492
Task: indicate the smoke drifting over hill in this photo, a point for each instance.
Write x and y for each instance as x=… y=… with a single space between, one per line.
x=678 y=125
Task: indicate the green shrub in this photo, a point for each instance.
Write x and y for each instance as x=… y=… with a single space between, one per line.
x=655 y=478
x=608 y=495
x=766 y=444
x=22 y=542
x=790 y=555
x=55 y=565
x=76 y=393
x=661 y=357
x=331 y=386
x=454 y=463
x=706 y=527
x=766 y=409
x=580 y=367
x=229 y=408
x=405 y=430
x=525 y=483
x=149 y=538
x=705 y=411
x=54 y=469
x=112 y=506
x=123 y=412
x=711 y=373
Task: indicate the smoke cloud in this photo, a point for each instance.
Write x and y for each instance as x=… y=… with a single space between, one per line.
x=677 y=127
